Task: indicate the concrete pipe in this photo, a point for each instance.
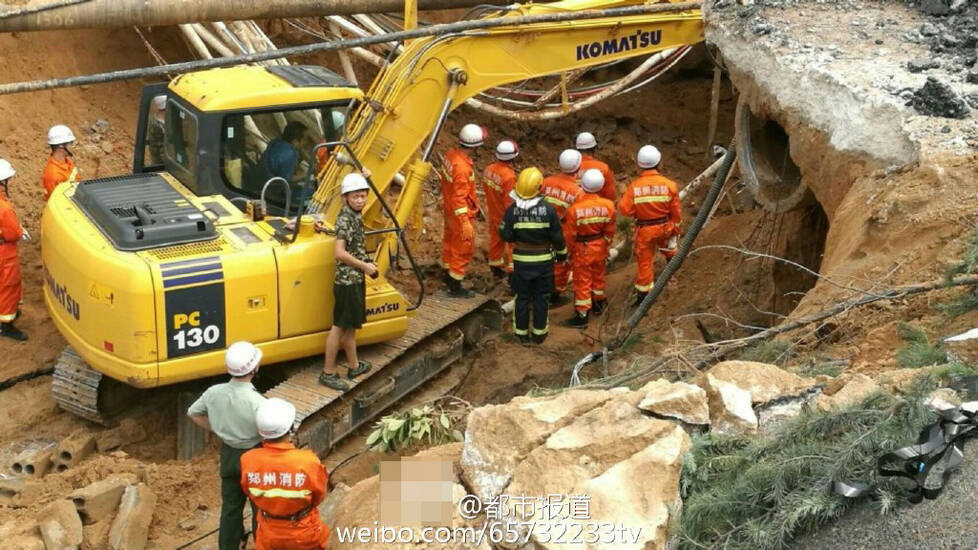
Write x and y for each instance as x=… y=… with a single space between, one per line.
x=33 y=462
x=94 y=14
x=73 y=450
x=765 y=162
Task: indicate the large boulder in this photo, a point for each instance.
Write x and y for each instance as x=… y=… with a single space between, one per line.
x=676 y=400
x=764 y=382
x=731 y=412
x=846 y=389
x=624 y=464
x=499 y=437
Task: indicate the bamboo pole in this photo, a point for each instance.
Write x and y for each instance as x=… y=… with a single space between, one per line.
x=211 y=40
x=195 y=42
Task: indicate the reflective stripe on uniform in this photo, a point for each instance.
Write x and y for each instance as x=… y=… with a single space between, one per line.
x=582 y=302
x=587 y=221
x=456 y=276
x=492 y=185
x=462 y=210
x=642 y=288
x=541 y=331
x=496 y=263
x=564 y=251
x=279 y=493
x=556 y=202
x=531 y=225
x=72 y=175
x=598 y=292
x=545 y=257
x=8 y=318
x=653 y=198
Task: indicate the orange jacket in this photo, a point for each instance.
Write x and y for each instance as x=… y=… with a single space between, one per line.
x=458 y=184
x=590 y=215
x=498 y=179
x=10 y=230
x=56 y=173
x=652 y=196
x=608 y=191
x=282 y=480
x=560 y=190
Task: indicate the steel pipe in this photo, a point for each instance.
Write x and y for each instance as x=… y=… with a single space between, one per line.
x=124 y=13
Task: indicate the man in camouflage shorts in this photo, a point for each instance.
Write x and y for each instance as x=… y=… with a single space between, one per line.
x=349 y=288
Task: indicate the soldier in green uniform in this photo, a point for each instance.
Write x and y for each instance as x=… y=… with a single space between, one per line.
x=349 y=288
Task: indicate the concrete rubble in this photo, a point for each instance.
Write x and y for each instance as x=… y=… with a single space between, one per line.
x=101 y=499
x=731 y=412
x=130 y=528
x=60 y=526
x=678 y=400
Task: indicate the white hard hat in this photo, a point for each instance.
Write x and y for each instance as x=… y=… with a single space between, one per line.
x=353 y=182
x=60 y=134
x=472 y=135
x=159 y=102
x=569 y=161
x=242 y=358
x=274 y=418
x=648 y=157
x=585 y=141
x=6 y=170
x=507 y=150
x=592 y=180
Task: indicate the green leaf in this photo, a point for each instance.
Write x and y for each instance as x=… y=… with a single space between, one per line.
x=457 y=435
x=444 y=421
x=373 y=438
x=396 y=423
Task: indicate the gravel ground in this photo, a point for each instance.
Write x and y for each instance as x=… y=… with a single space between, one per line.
x=949 y=522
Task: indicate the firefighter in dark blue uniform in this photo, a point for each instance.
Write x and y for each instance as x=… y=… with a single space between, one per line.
x=532 y=225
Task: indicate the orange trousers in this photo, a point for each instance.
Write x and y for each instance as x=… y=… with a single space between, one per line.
x=308 y=533
x=562 y=270
x=11 y=289
x=589 y=270
x=500 y=252
x=648 y=239
x=455 y=252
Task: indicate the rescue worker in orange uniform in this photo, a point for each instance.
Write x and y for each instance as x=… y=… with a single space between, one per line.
x=460 y=209
x=11 y=233
x=653 y=200
x=586 y=144
x=284 y=483
x=561 y=191
x=60 y=167
x=590 y=223
x=498 y=180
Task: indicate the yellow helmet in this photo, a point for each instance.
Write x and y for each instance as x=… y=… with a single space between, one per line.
x=528 y=183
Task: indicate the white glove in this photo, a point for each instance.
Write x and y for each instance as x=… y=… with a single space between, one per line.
x=26 y=236
x=673 y=243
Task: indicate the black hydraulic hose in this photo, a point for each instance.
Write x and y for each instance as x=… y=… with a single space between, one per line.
x=433 y=30
x=677 y=260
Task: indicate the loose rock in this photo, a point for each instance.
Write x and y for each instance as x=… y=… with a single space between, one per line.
x=935 y=98
x=682 y=401
x=730 y=407
x=131 y=526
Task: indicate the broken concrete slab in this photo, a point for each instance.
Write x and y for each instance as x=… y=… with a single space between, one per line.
x=97 y=534
x=100 y=500
x=499 y=437
x=679 y=400
x=68 y=526
x=731 y=412
x=131 y=525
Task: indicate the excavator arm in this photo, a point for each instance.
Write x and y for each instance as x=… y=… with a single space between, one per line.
x=409 y=100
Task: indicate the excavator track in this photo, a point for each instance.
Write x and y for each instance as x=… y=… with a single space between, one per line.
x=435 y=339
x=85 y=392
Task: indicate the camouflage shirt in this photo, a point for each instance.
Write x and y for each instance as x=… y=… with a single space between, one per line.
x=349 y=228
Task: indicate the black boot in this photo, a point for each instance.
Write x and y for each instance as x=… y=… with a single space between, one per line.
x=456 y=290
x=523 y=338
x=579 y=320
x=538 y=338
x=8 y=330
x=599 y=306
x=640 y=298
x=498 y=272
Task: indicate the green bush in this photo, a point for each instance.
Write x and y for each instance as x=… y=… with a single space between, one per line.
x=758 y=492
x=399 y=431
x=918 y=351
x=775 y=352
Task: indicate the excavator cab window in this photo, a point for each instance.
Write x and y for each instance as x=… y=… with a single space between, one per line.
x=181 y=144
x=260 y=145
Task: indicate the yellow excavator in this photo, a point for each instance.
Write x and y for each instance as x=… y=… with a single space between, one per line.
x=150 y=276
